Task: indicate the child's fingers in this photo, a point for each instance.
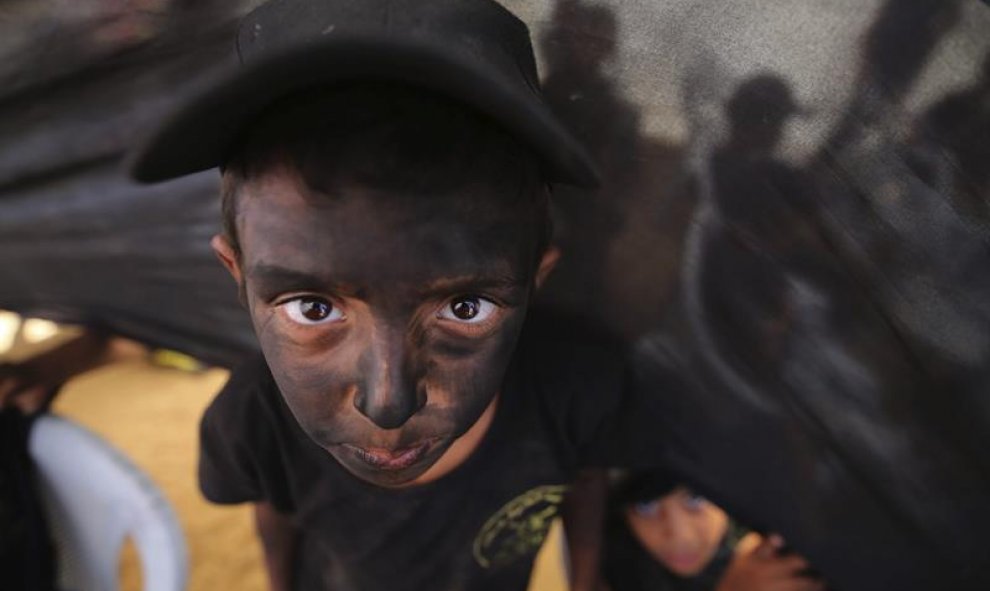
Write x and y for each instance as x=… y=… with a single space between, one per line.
x=803 y=584
x=791 y=584
x=776 y=540
x=793 y=563
x=783 y=569
x=769 y=546
x=748 y=543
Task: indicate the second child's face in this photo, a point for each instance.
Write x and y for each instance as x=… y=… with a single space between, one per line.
x=681 y=530
x=388 y=320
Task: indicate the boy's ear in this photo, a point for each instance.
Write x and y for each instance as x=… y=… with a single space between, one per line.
x=225 y=252
x=547 y=262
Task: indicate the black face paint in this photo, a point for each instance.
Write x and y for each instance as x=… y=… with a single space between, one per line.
x=388 y=320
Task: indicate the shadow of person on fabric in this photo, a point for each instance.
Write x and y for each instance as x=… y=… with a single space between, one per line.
x=769 y=235
x=621 y=243
x=960 y=124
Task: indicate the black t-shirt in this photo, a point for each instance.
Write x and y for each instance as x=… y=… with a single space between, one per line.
x=562 y=406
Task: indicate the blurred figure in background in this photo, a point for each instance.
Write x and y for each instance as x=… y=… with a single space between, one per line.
x=27 y=388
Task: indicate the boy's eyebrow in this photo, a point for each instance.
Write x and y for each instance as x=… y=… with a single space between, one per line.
x=475 y=282
x=272 y=279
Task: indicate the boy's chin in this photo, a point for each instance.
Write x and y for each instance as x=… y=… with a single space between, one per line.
x=390 y=472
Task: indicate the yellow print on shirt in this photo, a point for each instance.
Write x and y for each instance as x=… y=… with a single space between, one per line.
x=519 y=527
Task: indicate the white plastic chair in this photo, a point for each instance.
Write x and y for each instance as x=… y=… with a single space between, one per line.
x=95 y=498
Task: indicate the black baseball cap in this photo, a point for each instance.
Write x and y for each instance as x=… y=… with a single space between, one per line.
x=473 y=51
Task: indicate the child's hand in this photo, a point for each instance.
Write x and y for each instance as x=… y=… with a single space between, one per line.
x=29 y=386
x=758 y=566
x=20 y=389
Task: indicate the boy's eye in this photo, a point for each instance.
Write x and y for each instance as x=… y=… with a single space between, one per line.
x=467 y=309
x=311 y=310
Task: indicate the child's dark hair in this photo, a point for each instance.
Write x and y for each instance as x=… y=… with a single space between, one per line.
x=642 y=487
x=385 y=136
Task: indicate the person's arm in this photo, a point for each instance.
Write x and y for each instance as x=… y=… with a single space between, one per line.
x=278 y=541
x=31 y=385
x=583 y=513
x=759 y=566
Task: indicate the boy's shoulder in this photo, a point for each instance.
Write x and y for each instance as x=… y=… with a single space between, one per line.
x=242 y=435
x=578 y=377
x=249 y=390
x=250 y=409
x=569 y=348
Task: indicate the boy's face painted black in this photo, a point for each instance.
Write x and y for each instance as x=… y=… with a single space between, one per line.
x=388 y=320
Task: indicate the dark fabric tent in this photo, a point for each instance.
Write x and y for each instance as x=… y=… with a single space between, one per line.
x=792 y=232
x=78 y=241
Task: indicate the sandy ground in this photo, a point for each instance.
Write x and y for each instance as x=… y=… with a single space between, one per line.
x=151 y=413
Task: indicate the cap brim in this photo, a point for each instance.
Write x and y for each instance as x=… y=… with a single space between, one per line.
x=199 y=135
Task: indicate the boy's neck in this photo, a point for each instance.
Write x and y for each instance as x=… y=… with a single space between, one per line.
x=461 y=449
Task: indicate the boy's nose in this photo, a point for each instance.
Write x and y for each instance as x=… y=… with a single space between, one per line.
x=389 y=395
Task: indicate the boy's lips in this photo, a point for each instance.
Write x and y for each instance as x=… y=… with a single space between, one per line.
x=398 y=459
